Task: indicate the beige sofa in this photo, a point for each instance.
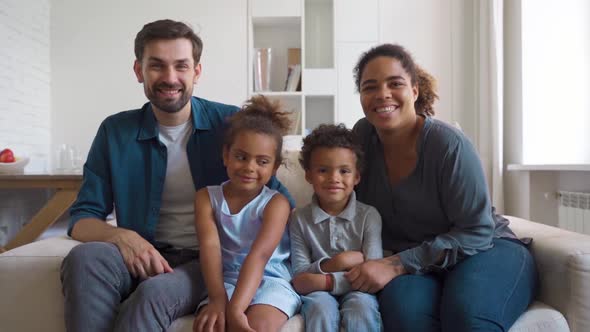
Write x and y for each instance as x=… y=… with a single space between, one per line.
x=31 y=299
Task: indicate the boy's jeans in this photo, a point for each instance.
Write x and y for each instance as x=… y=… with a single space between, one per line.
x=354 y=311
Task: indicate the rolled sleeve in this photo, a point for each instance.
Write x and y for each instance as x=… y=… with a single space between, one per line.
x=95 y=198
x=341 y=284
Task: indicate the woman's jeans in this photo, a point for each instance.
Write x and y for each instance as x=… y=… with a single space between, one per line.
x=101 y=295
x=484 y=292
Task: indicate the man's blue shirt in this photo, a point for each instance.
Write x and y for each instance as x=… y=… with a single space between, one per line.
x=126 y=165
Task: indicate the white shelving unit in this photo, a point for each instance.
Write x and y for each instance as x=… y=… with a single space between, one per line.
x=309 y=26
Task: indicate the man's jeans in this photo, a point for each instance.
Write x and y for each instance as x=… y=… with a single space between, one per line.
x=354 y=311
x=101 y=295
x=485 y=292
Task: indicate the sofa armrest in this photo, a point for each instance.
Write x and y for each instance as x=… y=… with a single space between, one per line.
x=31 y=297
x=563 y=263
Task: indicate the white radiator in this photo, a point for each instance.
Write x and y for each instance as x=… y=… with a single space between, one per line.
x=574 y=211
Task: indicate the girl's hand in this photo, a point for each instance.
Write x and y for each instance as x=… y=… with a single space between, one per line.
x=372 y=276
x=237 y=321
x=210 y=318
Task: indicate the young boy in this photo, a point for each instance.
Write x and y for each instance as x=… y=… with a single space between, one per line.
x=333 y=234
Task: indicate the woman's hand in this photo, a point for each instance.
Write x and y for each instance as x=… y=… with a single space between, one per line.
x=237 y=321
x=210 y=318
x=372 y=276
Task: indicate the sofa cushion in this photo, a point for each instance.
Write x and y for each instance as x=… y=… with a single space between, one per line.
x=185 y=324
x=292 y=176
x=540 y=317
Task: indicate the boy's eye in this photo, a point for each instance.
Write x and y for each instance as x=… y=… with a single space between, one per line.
x=239 y=157
x=322 y=170
x=367 y=88
x=263 y=162
x=344 y=171
x=155 y=65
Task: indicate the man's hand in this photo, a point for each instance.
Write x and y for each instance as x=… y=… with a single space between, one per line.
x=305 y=283
x=343 y=261
x=211 y=318
x=140 y=257
x=372 y=276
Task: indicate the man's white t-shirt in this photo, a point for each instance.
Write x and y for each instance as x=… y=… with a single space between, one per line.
x=176 y=226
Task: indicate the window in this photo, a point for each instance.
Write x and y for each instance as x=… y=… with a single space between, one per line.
x=556 y=81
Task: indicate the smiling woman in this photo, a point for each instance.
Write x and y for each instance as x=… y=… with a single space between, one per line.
x=437 y=216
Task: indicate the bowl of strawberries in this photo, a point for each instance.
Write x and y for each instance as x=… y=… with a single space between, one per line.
x=11 y=164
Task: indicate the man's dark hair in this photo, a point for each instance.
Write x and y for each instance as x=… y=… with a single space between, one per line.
x=166 y=30
x=330 y=136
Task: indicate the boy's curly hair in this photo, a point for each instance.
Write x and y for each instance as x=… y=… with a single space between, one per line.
x=330 y=136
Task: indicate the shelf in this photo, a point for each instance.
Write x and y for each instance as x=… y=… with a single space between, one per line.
x=556 y=168
x=319 y=34
x=319 y=82
x=277 y=93
x=318 y=110
x=278 y=35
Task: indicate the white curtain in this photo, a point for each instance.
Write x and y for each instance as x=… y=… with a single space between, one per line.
x=489 y=79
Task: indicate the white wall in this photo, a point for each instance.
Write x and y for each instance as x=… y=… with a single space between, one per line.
x=25 y=79
x=92 y=58
x=24 y=101
x=438 y=33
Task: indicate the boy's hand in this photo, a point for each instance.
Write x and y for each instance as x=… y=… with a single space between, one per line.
x=343 y=261
x=211 y=318
x=305 y=283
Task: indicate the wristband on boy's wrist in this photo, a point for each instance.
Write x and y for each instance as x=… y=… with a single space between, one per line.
x=329 y=282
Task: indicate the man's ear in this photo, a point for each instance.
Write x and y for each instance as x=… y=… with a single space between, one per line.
x=137 y=71
x=198 y=70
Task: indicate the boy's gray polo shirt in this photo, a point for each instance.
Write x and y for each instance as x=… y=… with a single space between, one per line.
x=317 y=236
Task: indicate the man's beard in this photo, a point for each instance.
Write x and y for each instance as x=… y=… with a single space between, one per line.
x=168 y=105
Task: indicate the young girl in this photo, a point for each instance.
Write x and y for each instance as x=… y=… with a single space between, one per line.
x=241 y=229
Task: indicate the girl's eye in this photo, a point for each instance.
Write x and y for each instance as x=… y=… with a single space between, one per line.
x=263 y=162
x=239 y=157
x=344 y=171
x=367 y=88
x=321 y=170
